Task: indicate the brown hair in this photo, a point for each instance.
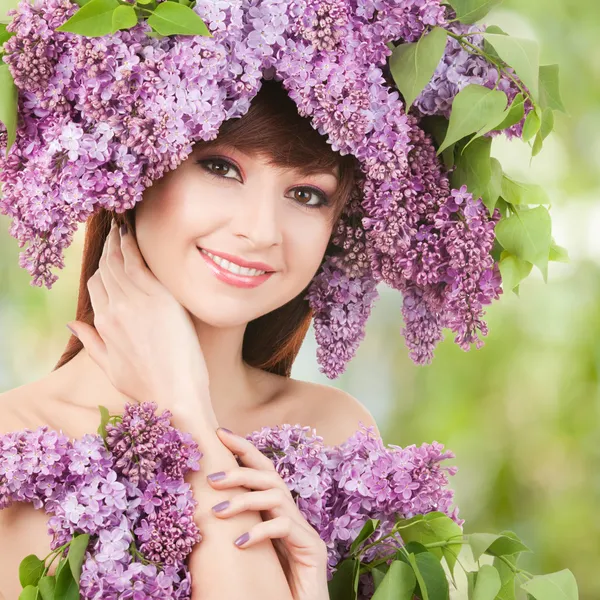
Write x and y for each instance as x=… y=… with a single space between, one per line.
x=271 y=127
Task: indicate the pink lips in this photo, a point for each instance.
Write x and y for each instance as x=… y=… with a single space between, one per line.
x=243 y=281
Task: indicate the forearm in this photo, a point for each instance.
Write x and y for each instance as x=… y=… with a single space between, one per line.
x=219 y=568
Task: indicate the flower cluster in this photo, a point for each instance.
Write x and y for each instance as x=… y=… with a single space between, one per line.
x=87 y=487
x=338 y=488
x=142 y=532
x=101 y=118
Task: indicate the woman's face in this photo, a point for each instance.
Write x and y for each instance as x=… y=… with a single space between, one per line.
x=228 y=203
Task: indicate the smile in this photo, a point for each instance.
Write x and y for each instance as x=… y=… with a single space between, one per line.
x=233 y=273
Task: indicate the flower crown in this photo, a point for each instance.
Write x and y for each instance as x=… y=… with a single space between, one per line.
x=100 y=98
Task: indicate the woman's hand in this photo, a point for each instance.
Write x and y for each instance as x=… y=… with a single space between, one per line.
x=143 y=339
x=301 y=551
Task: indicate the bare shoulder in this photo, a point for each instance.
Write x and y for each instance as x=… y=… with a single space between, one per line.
x=334 y=413
x=12 y=404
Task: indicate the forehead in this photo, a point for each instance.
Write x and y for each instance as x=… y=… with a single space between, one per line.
x=272 y=159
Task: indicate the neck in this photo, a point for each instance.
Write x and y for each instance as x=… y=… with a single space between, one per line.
x=234 y=385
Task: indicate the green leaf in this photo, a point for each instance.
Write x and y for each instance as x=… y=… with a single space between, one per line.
x=471 y=581
x=513 y=270
x=9 y=96
x=494 y=187
x=473 y=108
x=30 y=570
x=547 y=123
x=516 y=192
x=5 y=35
x=513 y=114
x=474 y=168
x=495 y=544
x=104 y=416
x=507 y=577
x=433 y=583
x=550 y=89
x=413 y=65
x=437 y=126
x=527 y=234
x=124 y=17
x=522 y=55
x=76 y=554
x=558 y=253
x=488 y=583
x=344 y=584
x=412 y=561
x=554 y=586
x=66 y=587
x=47 y=586
x=378 y=574
x=470 y=11
x=398 y=583
x=29 y=592
x=94 y=19
x=367 y=531
x=435 y=527
x=170 y=18
x=531 y=126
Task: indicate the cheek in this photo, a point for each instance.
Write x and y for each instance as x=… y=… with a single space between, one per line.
x=307 y=244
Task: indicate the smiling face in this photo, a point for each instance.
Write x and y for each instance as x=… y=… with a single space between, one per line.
x=231 y=203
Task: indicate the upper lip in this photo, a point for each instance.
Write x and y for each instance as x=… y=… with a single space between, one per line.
x=240 y=261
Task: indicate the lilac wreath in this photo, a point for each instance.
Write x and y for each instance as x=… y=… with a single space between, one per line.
x=101 y=116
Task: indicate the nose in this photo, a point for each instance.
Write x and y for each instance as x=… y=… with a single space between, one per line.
x=258 y=222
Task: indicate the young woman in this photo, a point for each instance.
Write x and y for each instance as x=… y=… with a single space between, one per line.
x=198 y=304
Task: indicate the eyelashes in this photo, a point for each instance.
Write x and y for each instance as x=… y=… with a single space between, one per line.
x=323 y=199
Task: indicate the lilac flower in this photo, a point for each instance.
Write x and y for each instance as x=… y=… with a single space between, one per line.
x=102 y=118
x=336 y=488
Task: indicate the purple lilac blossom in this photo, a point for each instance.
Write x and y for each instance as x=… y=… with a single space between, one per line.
x=102 y=118
x=460 y=68
x=336 y=488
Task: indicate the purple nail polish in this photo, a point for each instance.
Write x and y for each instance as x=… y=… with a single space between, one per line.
x=242 y=539
x=221 y=506
x=216 y=476
x=123 y=228
x=72 y=331
x=227 y=430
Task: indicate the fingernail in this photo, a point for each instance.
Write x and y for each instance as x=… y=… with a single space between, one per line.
x=227 y=430
x=221 y=506
x=242 y=539
x=217 y=476
x=73 y=331
x=123 y=228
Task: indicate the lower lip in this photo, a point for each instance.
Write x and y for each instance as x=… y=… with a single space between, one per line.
x=243 y=281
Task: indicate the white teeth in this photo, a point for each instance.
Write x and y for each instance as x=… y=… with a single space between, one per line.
x=232 y=267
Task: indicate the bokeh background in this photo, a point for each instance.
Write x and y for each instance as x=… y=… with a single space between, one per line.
x=522 y=414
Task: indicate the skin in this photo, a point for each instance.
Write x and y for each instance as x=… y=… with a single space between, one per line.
x=161 y=314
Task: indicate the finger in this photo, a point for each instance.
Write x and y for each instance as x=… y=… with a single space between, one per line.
x=115 y=261
x=135 y=266
x=110 y=255
x=283 y=527
x=253 y=479
x=92 y=342
x=249 y=454
x=273 y=500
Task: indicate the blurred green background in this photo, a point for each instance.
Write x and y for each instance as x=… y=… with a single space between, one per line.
x=522 y=414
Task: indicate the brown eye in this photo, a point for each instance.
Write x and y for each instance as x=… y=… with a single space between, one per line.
x=221 y=167
x=319 y=198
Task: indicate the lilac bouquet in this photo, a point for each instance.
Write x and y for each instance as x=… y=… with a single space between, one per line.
x=121 y=515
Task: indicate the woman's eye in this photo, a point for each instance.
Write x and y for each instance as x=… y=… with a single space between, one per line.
x=219 y=172
x=319 y=198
